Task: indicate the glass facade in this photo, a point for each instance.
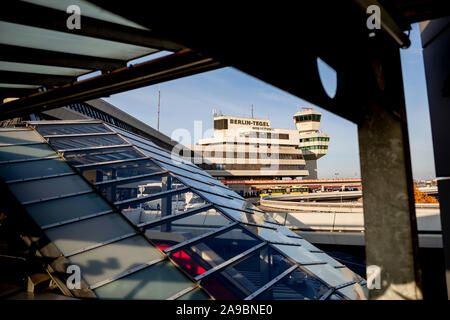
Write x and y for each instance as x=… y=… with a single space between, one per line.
x=307 y=117
x=314 y=148
x=315 y=139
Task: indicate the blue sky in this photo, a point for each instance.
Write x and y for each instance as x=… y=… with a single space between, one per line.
x=193 y=98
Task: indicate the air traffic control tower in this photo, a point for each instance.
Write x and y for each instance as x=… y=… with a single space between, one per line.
x=314 y=144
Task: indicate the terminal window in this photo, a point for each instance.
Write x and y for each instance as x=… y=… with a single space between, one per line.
x=221 y=124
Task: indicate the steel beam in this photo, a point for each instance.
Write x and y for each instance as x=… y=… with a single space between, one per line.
x=180 y=64
x=44 y=80
x=47 y=18
x=59 y=59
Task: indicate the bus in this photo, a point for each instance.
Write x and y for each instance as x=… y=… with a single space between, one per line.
x=282 y=190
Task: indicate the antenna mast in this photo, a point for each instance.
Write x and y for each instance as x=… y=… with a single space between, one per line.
x=252 y=110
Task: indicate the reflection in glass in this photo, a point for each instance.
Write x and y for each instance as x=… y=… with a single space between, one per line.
x=196 y=294
x=114 y=171
x=157 y=282
x=335 y=297
x=10 y=153
x=299 y=254
x=355 y=292
x=127 y=134
x=49 y=212
x=74 y=128
x=242 y=278
x=297 y=285
x=171 y=204
x=168 y=234
x=134 y=189
x=19 y=136
x=81 y=234
x=214 y=250
x=85 y=142
x=206 y=187
x=333 y=276
x=34 y=169
x=45 y=188
x=101 y=155
x=104 y=262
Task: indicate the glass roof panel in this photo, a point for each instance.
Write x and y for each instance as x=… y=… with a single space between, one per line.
x=161 y=154
x=246 y=276
x=101 y=155
x=49 y=212
x=325 y=257
x=234 y=281
x=40 y=69
x=298 y=285
x=307 y=245
x=333 y=276
x=153 y=149
x=196 y=294
x=172 y=204
x=335 y=297
x=19 y=136
x=25 y=152
x=85 y=142
x=214 y=250
x=179 y=165
x=207 y=187
x=271 y=235
x=157 y=152
x=45 y=188
x=256 y=217
x=159 y=281
x=104 y=262
x=134 y=136
x=81 y=234
x=73 y=128
x=355 y=292
x=224 y=201
x=38 y=38
x=88 y=10
x=33 y=169
x=134 y=189
x=299 y=254
x=168 y=234
x=114 y=171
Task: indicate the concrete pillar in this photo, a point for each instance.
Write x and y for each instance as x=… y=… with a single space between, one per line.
x=389 y=212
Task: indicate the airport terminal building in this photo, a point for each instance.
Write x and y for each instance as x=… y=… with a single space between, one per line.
x=244 y=148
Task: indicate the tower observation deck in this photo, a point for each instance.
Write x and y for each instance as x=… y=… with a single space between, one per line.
x=313 y=142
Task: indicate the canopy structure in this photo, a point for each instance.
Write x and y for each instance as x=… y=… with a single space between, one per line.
x=141 y=223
